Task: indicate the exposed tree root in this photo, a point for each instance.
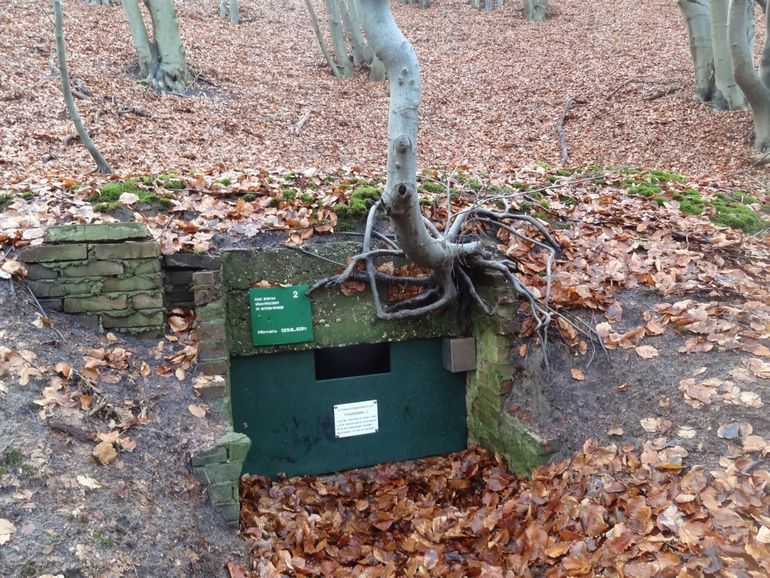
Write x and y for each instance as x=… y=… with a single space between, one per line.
x=444 y=285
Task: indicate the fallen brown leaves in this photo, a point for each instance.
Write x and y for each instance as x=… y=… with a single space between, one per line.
x=607 y=511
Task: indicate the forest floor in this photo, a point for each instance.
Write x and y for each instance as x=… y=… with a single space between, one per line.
x=648 y=210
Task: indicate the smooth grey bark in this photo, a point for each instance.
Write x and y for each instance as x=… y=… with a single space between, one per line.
x=162 y=59
x=354 y=34
x=756 y=89
x=727 y=93
x=535 y=10
x=697 y=18
x=400 y=198
x=374 y=64
x=338 y=38
x=61 y=54
x=321 y=40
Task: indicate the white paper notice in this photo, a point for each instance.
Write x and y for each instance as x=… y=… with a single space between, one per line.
x=355 y=419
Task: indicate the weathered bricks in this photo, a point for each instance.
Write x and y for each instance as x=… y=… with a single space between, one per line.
x=218 y=469
x=93 y=269
x=100 y=233
x=95 y=304
x=147 y=301
x=127 y=250
x=48 y=253
x=138 y=319
x=108 y=273
x=133 y=283
x=37 y=272
x=47 y=289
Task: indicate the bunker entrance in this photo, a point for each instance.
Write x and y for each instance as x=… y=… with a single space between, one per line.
x=329 y=409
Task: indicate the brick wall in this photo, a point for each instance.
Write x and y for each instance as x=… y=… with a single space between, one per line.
x=110 y=274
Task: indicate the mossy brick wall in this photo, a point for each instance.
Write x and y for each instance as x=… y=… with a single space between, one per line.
x=178 y=271
x=108 y=273
x=491 y=383
x=218 y=469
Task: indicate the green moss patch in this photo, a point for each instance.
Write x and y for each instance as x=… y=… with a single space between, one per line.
x=350 y=215
x=108 y=197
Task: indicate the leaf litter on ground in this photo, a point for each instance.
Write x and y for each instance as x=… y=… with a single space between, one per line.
x=614 y=510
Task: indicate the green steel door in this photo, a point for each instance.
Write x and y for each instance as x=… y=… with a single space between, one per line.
x=289 y=413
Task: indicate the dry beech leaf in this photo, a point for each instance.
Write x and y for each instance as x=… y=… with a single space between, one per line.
x=105 y=453
x=6 y=529
x=197 y=410
x=615 y=431
x=650 y=424
x=89 y=483
x=578 y=374
x=646 y=351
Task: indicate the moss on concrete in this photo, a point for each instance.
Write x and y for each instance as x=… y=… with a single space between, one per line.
x=338 y=320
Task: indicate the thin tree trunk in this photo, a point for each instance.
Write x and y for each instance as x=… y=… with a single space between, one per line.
x=146 y=51
x=223 y=9
x=727 y=93
x=535 y=10
x=101 y=164
x=338 y=38
x=235 y=12
x=400 y=197
x=172 y=74
x=375 y=65
x=354 y=34
x=756 y=90
x=696 y=16
x=321 y=40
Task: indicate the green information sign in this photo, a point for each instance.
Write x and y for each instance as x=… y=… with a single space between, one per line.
x=280 y=315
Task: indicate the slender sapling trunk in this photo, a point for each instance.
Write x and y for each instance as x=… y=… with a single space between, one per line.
x=101 y=164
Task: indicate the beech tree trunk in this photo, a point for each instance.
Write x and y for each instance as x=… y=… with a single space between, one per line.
x=727 y=93
x=162 y=59
x=535 y=10
x=338 y=38
x=696 y=16
x=400 y=198
x=345 y=21
x=753 y=83
x=61 y=54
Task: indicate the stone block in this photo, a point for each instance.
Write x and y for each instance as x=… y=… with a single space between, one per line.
x=218 y=473
x=237 y=445
x=211 y=332
x=49 y=253
x=178 y=295
x=37 y=272
x=52 y=304
x=205 y=295
x=213 y=455
x=95 y=233
x=231 y=513
x=49 y=289
x=179 y=277
x=209 y=351
x=221 y=494
x=212 y=312
x=134 y=320
x=192 y=261
x=133 y=283
x=213 y=390
x=93 y=269
x=130 y=250
x=147 y=300
x=206 y=278
x=142 y=266
x=95 y=304
x=214 y=366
